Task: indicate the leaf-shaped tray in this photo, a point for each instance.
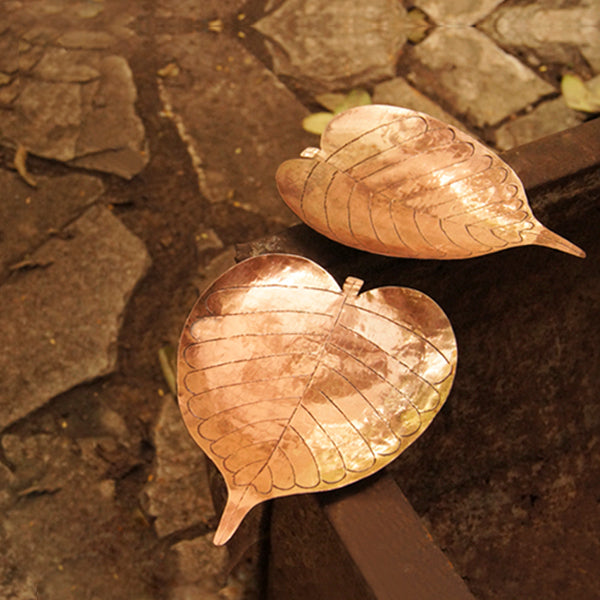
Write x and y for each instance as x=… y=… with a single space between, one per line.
x=292 y=385
x=397 y=182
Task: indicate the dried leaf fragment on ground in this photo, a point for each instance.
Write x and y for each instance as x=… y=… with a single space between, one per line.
x=167 y=358
x=580 y=95
x=21 y=165
x=336 y=103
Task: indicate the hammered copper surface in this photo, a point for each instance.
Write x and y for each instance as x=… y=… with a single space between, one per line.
x=397 y=182
x=291 y=385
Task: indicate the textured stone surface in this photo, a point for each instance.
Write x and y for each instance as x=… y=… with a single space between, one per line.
x=6 y=481
x=465 y=68
x=60 y=322
x=29 y=216
x=14 y=585
x=550 y=117
x=398 y=92
x=554 y=33
x=68 y=97
x=216 y=267
x=58 y=64
x=237 y=154
x=201 y=568
x=79 y=111
x=63 y=521
x=111 y=136
x=192 y=9
x=67 y=9
x=329 y=43
x=41 y=109
x=177 y=496
x=458 y=12
x=498 y=522
x=207 y=240
x=82 y=38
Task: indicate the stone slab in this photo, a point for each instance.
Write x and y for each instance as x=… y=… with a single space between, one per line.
x=458 y=12
x=207 y=241
x=548 y=118
x=237 y=119
x=83 y=38
x=111 y=135
x=192 y=9
x=467 y=70
x=41 y=108
x=66 y=9
x=552 y=32
x=327 y=44
x=63 y=521
x=28 y=216
x=398 y=92
x=60 y=322
x=58 y=64
x=177 y=496
x=215 y=267
x=201 y=568
x=69 y=98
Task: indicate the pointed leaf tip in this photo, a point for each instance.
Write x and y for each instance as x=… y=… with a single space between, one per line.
x=233 y=514
x=549 y=239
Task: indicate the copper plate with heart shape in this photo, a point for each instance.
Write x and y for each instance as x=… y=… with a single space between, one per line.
x=398 y=182
x=290 y=384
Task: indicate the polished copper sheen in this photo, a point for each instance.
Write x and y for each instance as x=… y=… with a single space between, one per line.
x=397 y=182
x=291 y=384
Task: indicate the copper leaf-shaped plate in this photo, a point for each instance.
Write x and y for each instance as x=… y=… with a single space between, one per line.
x=397 y=182
x=290 y=384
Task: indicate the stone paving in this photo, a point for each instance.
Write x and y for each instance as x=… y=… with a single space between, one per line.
x=66 y=95
x=151 y=134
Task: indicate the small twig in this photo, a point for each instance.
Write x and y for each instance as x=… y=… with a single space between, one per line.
x=29 y=263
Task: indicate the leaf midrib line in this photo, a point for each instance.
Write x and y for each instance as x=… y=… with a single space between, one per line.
x=345 y=293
